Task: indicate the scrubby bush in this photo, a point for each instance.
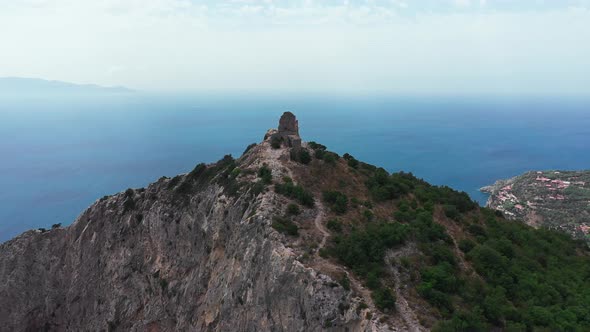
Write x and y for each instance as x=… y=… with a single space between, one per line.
x=293 y=209
x=351 y=161
x=316 y=146
x=452 y=212
x=297 y=192
x=384 y=298
x=368 y=215
x=334 y=225
x=338 y=201
x=285 y=226
x=197 y=171
x=304 y=157
x=300 y=155
x=466 y=245
x=257 y=188
x=345 y=282
x=364 y=249
x=128 y=204
x=330 y=158
x=249 y=147
x=265 y=174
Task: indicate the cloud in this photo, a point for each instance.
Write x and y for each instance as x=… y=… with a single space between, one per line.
x=462 y=3
x=291 y=45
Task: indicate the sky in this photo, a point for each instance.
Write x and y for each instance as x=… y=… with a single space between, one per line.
x=391 y=46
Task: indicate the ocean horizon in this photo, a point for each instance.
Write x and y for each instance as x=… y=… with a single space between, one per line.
x=59 y=155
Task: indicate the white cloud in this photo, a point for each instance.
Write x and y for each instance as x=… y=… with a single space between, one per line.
x=462 y=3
x=176 y=44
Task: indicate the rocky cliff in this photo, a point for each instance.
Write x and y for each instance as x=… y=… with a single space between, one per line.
x=293 y=237
x=195 y=252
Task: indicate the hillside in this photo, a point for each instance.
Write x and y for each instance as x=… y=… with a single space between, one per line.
x=557 y=200
x=293 y=237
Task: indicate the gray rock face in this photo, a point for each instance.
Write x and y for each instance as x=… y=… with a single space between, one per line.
x=198 y=261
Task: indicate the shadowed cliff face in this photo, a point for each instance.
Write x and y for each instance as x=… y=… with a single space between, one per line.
x=195 y=252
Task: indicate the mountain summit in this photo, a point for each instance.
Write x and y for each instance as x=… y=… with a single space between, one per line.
x=292 y=237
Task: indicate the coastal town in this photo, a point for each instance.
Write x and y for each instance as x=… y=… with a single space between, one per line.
x=554 y=199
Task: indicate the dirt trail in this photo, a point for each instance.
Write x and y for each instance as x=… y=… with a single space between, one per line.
x=323 y=263
x=273 y=158
x=401 y=304
x=318 y=222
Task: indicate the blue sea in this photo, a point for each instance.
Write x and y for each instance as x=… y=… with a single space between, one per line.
x=58 y=155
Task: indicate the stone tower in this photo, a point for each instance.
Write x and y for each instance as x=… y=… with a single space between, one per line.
x=288 y=125
x=288 y=131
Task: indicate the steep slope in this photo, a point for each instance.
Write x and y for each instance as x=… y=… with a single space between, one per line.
x=293 y=237
x=195 y=252
x=431 y=258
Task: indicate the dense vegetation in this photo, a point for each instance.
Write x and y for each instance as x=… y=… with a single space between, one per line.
x=337 y=201
x=291 y=190
x=321 y=153
x=533 y=279
x=492 y=273
x=525 y=279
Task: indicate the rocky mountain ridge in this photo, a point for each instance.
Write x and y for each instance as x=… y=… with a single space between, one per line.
x=293 y=237
x=187 y=253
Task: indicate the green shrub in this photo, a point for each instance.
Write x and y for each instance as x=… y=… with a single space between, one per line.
x=345 y=282
x=363 y=250
x=368 y=215
x=257 y=188
x=334 y=225
x=163 y=284
x=304 y=157
x=338 y=201
x=351 y=161
x=174 y=181
x=319 y=154
x=129 y=204
x=316 y=146
x=285 y=226
x=477 y=230
x=452 y=212
x=293 y=209
x=466 y=245
x=300 y=155
x=249 y=147
x=197 y=171
x=265 y=174
x=297 y=192
x=330 y=158
x=384 y=298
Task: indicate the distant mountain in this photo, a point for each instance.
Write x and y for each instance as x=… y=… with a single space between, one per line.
x=28 y=86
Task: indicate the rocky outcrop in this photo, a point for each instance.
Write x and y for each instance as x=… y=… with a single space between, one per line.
x=191 y=253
